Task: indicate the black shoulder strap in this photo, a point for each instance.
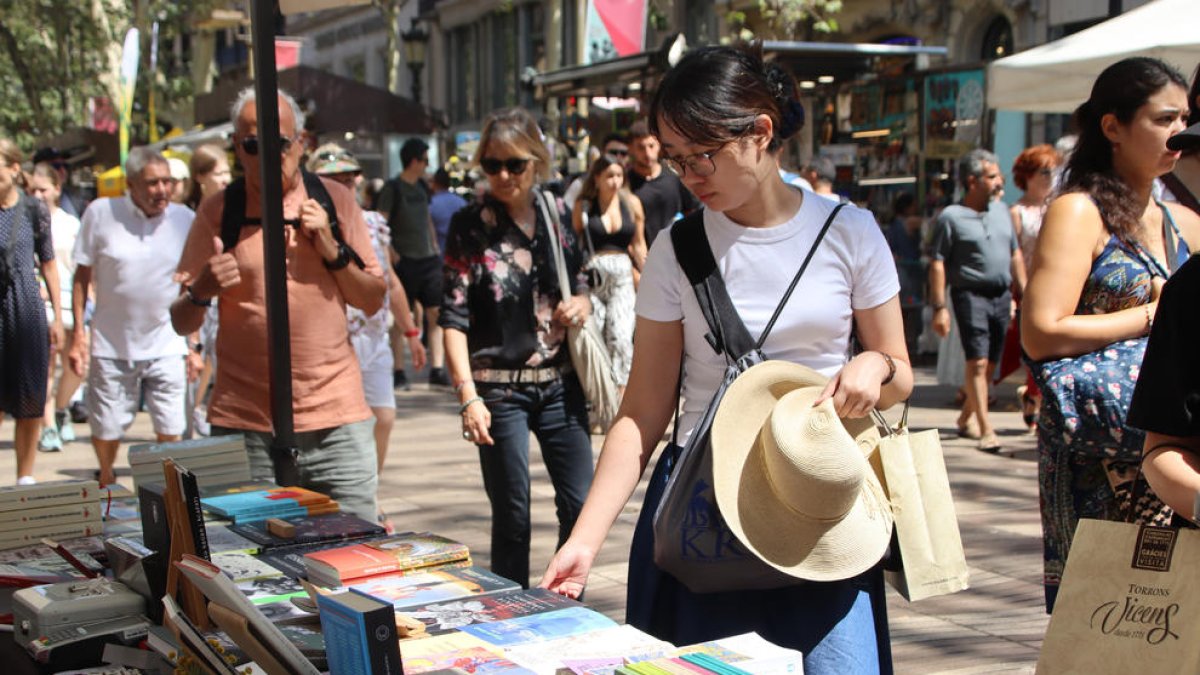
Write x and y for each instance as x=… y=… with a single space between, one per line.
x=233 y=215
x=727 y=334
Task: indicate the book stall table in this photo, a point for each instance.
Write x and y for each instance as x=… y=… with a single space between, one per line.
x=249 y=577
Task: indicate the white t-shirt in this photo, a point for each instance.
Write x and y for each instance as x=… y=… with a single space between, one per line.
x=851 y=269
x=133 y=260
x=64 y=228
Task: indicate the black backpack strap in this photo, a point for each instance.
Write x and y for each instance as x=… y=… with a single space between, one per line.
x=726 y=332
x=233 y=214
x=799 y=273
x=316 y=190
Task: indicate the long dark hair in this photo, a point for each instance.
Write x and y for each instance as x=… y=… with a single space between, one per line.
x=713 y=95
x=1120 y=90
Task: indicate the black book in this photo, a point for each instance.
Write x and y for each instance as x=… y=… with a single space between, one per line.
x=360 y=634
x=195 y=515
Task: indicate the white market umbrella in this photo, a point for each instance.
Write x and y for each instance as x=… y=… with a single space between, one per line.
x=1058 y=76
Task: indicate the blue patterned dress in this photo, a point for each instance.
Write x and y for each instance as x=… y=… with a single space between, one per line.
x=1088 y=457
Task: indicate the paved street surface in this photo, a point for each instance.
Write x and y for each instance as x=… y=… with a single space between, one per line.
x=432 y=482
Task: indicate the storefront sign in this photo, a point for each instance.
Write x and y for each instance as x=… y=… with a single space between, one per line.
x=954 y=110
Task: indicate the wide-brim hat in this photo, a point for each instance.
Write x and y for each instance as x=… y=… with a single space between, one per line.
x=793 y=481
x=1186 y=139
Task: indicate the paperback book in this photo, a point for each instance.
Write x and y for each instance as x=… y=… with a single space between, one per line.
x=360 y=634
x=333 y=527
x=51 y=493
x=457 y=651
x=241 y=566
x=448 y=615
x=540 y=627
x=423 y=587
x=398 y=553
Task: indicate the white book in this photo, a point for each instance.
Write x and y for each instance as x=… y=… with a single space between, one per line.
x=220 y=589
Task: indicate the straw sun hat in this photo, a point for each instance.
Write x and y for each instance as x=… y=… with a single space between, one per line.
x=792 y=481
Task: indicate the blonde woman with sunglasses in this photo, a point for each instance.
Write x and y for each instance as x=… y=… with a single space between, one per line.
x=505 y=319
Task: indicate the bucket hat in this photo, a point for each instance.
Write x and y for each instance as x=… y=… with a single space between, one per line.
x=793 y=481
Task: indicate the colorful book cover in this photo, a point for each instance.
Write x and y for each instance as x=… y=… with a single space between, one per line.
x=236 y=487
x=333 y=527
x=622 y=644
x=421 y=588
x=540 y=627
x=241 y=566
x=411 y=550
x=440 y=617
x=290 y=559
x=456 y=650
x=50 y=493
x=360 y=635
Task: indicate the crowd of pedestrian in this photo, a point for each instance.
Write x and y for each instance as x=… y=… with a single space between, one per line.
x=156 y=300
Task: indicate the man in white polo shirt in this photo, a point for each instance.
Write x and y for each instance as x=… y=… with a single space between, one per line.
x=129 y=247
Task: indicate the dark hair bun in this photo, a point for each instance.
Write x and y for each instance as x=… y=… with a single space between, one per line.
x=783 y=88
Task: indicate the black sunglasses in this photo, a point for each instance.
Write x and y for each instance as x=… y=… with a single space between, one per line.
x=250 y=145
x=618 y=152
x=514 y=165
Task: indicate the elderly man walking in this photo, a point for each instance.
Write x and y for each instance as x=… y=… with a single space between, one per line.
x=325 y=272
x=975 y=251
x=127 y=249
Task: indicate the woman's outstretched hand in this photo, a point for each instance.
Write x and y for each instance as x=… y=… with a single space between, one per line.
x=568 y=571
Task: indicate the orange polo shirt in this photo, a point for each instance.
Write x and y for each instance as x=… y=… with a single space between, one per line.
x=327 y=388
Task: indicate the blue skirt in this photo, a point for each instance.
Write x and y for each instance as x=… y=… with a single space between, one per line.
x=841 y=627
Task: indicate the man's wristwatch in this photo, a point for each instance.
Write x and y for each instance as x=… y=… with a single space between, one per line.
x=340 y=262
x=187 y=290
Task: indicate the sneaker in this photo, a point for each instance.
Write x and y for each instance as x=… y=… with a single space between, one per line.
x=26 y=480
x=199 y=423
x=66 y=431
x=438 y=376
x=400 y=380
x=49 y=441
x=79 y=412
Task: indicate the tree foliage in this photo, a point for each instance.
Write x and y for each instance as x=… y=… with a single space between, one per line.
x=52 y=58
x=784 y=19
x=56 y=55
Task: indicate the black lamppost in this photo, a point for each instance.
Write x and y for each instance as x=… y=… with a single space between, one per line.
x=415 y=40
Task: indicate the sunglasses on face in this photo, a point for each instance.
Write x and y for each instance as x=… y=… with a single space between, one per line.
x=514 y=165
x=250 y=145
x=618 y=152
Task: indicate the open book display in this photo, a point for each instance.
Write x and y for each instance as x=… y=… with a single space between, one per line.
x=243 y=621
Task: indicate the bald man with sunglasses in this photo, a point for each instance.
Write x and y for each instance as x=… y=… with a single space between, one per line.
x=334 y=426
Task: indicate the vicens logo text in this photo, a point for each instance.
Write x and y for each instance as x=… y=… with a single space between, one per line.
x=1143 y=614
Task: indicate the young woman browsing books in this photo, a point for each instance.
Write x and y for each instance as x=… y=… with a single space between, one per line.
x=722 y=114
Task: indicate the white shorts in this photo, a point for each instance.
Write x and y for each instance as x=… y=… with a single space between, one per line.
x=115 y=385
x=375 y=361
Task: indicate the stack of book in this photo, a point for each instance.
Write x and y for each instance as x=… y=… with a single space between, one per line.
x=278 y=502
x=402 y=553
x=55 y=510
x=214 y=460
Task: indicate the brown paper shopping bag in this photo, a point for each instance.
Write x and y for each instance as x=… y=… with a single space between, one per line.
x=927 y=557
x=1129 y=602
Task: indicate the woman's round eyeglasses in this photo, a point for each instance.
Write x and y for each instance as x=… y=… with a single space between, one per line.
x=700 y=163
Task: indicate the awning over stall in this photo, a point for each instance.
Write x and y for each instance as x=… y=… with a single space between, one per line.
x=1058 y=76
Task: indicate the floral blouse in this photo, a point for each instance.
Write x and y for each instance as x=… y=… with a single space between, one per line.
x=501 y=287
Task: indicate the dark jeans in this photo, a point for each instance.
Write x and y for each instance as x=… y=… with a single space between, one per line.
x=556 y=413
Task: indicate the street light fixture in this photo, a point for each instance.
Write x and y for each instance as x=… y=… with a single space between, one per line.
x=415 y=40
